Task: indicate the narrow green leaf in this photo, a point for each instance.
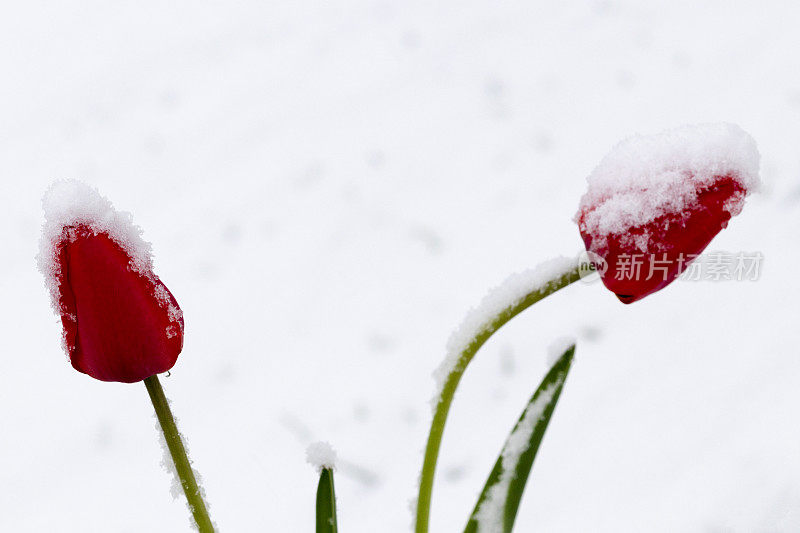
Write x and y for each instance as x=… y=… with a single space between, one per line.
x=326 y=503
x=497 y=505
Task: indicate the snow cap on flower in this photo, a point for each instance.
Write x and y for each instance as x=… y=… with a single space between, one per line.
x=120 y=321
x=662 y=198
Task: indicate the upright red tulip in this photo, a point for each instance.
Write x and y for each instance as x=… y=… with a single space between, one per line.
x=655 y=202
x=120 y=321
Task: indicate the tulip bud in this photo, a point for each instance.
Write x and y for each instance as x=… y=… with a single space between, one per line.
x=655 y=202
x=120 y=321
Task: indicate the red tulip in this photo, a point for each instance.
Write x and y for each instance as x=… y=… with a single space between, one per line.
x=654 y=203
x=120 y=321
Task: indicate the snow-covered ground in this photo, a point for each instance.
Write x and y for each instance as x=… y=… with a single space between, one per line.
x=328 y=188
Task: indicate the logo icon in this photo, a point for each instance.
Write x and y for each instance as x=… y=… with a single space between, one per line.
x=589 y=264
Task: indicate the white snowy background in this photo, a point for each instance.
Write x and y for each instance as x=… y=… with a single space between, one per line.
x=328 y=187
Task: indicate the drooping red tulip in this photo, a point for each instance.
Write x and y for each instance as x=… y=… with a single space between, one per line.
x=655 y=202
x=120 y=321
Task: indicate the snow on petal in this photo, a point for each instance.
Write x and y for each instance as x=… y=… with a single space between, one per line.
x=70 y=203
x=648 y=176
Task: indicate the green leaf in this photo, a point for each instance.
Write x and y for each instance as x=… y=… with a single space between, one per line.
x=497 y=505
x=326 y=503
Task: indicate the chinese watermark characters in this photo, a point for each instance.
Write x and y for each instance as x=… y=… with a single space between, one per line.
x=709 y=266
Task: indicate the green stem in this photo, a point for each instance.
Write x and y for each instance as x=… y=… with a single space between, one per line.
x=454 y=377
x=179 y=458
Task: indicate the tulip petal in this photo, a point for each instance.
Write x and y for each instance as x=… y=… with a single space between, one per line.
x=120 y=322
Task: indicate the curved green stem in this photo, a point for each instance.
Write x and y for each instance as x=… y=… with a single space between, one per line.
x=179 y=458
x=454 y=377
